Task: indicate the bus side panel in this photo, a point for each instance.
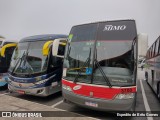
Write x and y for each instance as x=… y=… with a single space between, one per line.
x=157 y=75
x=150 y=72
x=154 y=74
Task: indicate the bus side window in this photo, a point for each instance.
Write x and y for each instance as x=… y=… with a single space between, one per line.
x=55 y=61
x=159 y=45
x=61 y=50
x=8 y=55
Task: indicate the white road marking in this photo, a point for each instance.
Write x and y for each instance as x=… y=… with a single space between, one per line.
x=54 y=105
x=77 y=114
x=60 y=109
x=4 y=94
x=145 y=100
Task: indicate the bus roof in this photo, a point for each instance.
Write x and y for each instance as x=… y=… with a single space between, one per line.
x=105 y=30
x=15 y=41
x=2 y=37
x=4 y=41
x=105 y=21
x=43 y=37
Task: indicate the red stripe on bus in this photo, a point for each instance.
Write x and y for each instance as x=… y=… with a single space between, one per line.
x=98 y=91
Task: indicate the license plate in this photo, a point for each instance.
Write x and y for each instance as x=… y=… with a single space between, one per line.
x=21 y=91
x=92 y=104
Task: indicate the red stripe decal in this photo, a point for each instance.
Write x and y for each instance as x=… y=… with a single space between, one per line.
x=96 y=91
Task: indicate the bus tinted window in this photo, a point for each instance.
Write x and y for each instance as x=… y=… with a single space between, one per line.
x=61 y=50
x=117 y=30
x=150 y=52
x=153 y=49
x=7 y=43
x=84 y=32
x=147 y=54
x=5 y=61
x=157 y=47
x=0 y=43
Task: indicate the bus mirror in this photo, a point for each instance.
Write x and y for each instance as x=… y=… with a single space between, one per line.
x=45 y=49
x=58 y=47
x=142 y=44
x=3 y=49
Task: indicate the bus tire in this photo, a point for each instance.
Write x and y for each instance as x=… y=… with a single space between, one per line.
x=134 y=104
x=146 y=76
x=133 y=107
x=64 y=100
x=9 y=91
x=158 y=90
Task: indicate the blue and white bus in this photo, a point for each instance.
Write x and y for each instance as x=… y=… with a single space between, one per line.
x=33 y=69
x=6 y=51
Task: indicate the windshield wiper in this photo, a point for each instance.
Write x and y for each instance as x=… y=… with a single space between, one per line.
x=24 y=64
x=103 y=74
x=85 y=63
x=19 y=60
x=101 y=70
x=24 y=60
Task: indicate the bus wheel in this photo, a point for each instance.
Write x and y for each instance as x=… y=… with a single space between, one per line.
x=64 y=100
x=146 y=76
x=9 y=91
x=133 y=107
x=134 y=104
x=158 y=90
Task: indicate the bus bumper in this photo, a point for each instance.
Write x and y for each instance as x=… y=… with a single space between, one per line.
x=42 y=91
x=99 y=104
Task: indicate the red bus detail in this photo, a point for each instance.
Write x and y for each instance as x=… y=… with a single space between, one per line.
x=97 y=91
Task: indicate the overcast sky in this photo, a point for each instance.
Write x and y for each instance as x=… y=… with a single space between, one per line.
x=22 y=18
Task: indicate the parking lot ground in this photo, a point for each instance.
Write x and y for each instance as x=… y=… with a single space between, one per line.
x=9 y=103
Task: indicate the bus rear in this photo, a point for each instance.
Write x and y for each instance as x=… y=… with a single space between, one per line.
x=100 y=66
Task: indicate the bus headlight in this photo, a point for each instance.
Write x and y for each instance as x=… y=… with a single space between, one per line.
x=125 y=96
x=41 y=82
x=64 y=87
x=68 y=88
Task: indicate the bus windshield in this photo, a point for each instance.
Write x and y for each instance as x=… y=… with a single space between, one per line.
x=79 y=53
x=28 y=58
x=94 y=54
x=116 y=64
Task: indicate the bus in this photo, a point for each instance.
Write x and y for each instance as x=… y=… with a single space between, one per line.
x=33 y=69
x=100 y=65
x=152 y=69
x=6 y=51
